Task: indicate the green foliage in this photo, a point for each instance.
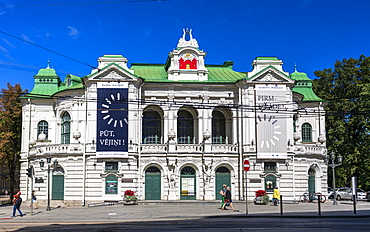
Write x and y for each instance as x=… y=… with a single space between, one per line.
x=347 y=89
x=10 y=131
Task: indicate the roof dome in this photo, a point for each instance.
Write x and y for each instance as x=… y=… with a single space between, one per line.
x=299 y=76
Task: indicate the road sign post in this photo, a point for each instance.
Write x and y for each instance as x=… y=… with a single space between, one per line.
x=246 y=167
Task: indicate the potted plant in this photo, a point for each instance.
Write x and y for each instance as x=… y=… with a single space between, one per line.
x=261 y=197
x=130 y=198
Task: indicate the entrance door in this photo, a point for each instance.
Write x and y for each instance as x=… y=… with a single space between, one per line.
x=311 y=181
x=222 y=177
x=57 y=187
x=187 y=183
x=152 y=184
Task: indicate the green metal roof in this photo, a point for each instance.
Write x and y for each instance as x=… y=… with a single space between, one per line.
x=263 y=70
x=106 y=67
x=47 y=83
x=303 y=86
x=299 y=76
x=216 y=73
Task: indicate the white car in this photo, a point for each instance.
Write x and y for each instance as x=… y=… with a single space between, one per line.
x=345 y=193
x=361 y=194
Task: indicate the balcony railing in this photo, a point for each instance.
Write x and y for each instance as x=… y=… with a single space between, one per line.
x=56 y=149
x=77 y=148
x=309 y=149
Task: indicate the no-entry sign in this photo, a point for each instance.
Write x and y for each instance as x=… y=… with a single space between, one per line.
x=246 y=165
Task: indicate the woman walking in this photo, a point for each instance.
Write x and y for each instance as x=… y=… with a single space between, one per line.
x=228 y=200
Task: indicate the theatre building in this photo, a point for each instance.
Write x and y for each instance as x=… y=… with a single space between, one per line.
x=172 y=131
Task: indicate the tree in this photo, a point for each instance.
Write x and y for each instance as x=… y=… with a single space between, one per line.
x=10 y=131
x=347 y=89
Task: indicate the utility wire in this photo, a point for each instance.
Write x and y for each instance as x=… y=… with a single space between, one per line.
x=84 y=3
x=32 y=69
x=15 y=37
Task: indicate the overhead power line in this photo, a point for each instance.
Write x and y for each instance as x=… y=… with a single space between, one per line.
x=83 y=3
x=59 y=54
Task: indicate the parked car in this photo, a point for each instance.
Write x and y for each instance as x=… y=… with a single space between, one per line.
x=361 y=194
x=345 y=193
x=368 y=196
x=330 y=191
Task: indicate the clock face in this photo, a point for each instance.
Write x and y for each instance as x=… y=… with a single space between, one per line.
x=111 y=111
x=272 y=132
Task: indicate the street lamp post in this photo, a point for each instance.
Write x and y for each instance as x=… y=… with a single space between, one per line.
x=48 y=160
x=333 y=165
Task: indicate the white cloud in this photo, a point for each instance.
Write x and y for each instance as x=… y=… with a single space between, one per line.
x=26 y=38
x=3 y=49
x=73 y=33
x=8 y=43
x=8 y=6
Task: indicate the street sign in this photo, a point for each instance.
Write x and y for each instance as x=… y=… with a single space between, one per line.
x=246 y=165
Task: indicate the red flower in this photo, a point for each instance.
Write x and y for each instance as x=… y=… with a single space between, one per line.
x=260 y=193
x=129 y=193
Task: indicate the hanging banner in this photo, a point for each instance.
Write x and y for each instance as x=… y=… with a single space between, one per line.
x=271 y=120
x=112 y=120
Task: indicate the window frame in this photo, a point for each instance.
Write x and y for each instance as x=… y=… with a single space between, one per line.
x=218 y=127
x=185 y=127
x=109 y=180
x=66 y=128
x=43 y=128
x=151 y=127
x=306 y=130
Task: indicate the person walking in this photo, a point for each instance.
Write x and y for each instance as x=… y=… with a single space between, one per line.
x=17 y=201
x=228 y=200
x=34 y=199
x=222 y=193
x=276 y=196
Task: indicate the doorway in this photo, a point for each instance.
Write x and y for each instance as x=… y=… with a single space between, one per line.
x=223 y=176
x=152 y=183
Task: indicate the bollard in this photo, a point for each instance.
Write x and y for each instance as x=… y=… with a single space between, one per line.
x=281 y=204
x=319 y=203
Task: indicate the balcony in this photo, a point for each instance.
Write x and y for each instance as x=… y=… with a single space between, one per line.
x=53 y=149
x=306 y=149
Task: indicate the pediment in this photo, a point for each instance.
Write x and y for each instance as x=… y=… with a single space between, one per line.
x=270 y=75
x=113 y=72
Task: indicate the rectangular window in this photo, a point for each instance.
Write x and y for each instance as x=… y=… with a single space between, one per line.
x=111 y=184
x=111 y=166
x=270 y=167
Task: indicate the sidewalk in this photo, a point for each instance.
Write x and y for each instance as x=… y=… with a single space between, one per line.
x=163 y=210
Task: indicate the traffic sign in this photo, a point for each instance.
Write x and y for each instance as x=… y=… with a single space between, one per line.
x=246 y=165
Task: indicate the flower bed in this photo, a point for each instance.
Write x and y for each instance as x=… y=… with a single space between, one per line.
x=130 y=198
x=261 y=197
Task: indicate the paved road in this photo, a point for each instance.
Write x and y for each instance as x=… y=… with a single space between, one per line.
x=194 y=216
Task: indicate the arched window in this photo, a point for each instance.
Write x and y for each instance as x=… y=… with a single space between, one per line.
x=152 y=169
x=66 y=128
x=306 y=132
x=43 y=127
x=151 y=127
x=218 y=128
x=187 y=171
x=185 y=128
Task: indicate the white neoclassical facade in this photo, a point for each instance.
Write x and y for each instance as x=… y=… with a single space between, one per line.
x=172 y=131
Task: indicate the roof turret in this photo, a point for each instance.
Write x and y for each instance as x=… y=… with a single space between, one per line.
x=303 y=86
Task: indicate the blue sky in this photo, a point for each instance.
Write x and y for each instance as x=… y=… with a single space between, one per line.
x=310 y=33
